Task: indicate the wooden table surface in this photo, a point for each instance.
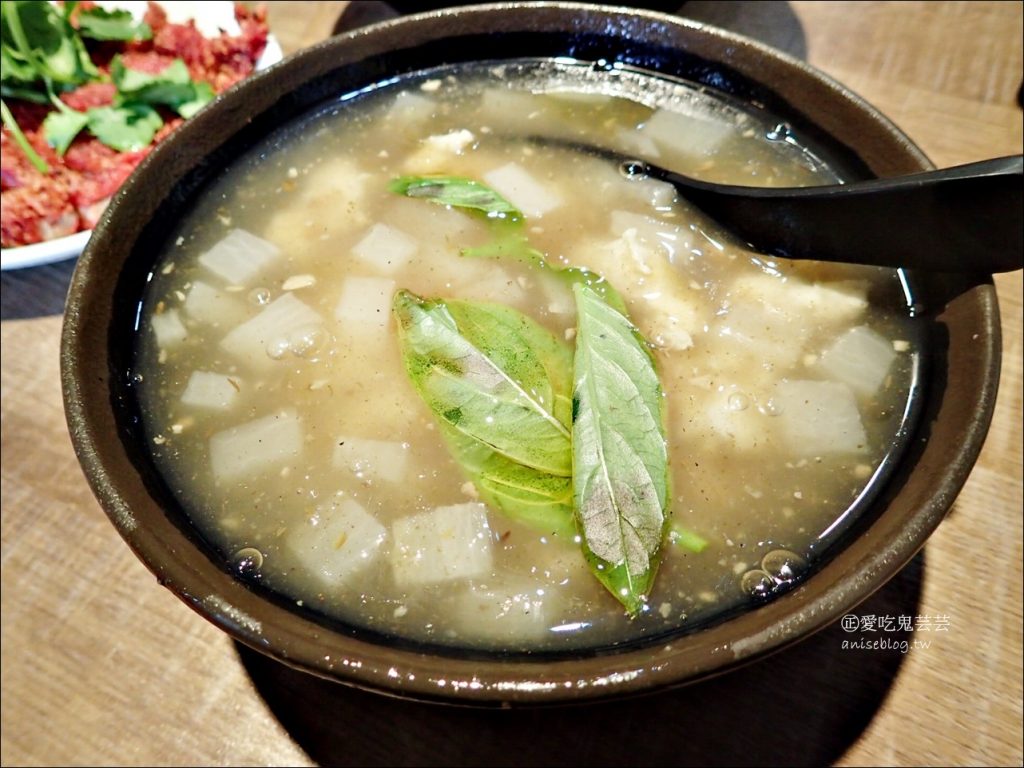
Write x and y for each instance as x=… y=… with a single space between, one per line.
x=101 y=666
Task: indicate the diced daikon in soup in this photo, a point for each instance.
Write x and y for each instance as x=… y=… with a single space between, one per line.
x=277 y=406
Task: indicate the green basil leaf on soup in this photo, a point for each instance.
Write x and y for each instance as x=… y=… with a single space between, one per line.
x=620 y=461
x=541 y=500
x=492 y=388
x=456 y=191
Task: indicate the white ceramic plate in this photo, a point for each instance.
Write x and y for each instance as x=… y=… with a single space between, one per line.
x=210 y=18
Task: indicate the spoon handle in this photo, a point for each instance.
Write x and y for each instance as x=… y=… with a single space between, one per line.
x=964 y=219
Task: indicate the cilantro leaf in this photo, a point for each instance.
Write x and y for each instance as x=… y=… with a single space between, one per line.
x=101 y=24
x=204 y=94
x=61 y=126
x=127 y=128
x=172 y=87
x=37 y=35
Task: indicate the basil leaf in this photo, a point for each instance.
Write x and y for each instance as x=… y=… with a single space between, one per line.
x=458 y=192
x=519 y=344
x=620 y=462
x=543 y=368
x=538 y=499
x=127 y=128
x=101 y=24
x=490 y=389
x=530 y=496
x=61 y=126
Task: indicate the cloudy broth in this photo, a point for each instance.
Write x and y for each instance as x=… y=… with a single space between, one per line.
x=278 y=409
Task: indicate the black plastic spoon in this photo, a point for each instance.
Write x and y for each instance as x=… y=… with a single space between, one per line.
x=969 y=218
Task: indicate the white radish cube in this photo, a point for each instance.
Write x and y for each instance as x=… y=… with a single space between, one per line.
x=446 y=543
x=386 y=248
x=512 y=612
x=372 y=459
x=696 y=135
x=279 y=327
x=453 y=142
x=634 y=141
x=210 y=390
x=516 y=185
x=780 y=313
x=337 y=542
x=365 y=304
x=410 y=107
x=168 y=328
x=213 y=306
x=860 y=358
x=819 y=417
x=267 y=443
x=450 y=229
x=239 y=256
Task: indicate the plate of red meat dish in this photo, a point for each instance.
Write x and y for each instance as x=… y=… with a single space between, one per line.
x=89 y=89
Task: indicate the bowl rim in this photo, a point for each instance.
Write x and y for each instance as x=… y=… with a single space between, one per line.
x=967 y=312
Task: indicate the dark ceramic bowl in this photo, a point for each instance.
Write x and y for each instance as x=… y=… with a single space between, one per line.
x=955 y=405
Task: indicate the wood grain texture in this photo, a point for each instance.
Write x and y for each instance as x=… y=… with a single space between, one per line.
x=101 y=666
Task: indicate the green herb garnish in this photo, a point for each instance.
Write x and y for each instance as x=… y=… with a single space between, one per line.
x=497 y=382
x=127 y=128
x=499 y=385
x=687 y=539
x=456 y=191
x=620 y=461
x=100 y=24
x=494 y=392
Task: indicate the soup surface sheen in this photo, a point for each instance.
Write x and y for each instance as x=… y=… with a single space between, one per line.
x=279 y=411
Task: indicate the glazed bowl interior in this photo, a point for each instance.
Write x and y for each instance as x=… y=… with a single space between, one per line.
x=954 y=404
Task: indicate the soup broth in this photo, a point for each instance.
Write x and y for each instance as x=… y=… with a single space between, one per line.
x=277 y=406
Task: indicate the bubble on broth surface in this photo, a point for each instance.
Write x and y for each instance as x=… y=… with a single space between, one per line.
x=247 y=561
x=783 y=566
